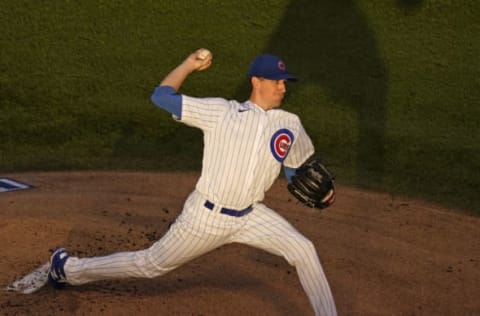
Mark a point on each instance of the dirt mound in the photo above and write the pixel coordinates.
(383, 255)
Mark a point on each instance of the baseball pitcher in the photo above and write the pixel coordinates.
(245, 146)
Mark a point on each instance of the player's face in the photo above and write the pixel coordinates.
(271, 92)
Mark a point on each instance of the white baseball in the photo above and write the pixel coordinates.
(203, 54)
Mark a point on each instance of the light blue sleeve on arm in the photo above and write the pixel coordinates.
(168, 99)
(289, 173)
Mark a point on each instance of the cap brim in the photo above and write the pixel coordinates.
(288, 77)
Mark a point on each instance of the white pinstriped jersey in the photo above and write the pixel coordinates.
(244, 147)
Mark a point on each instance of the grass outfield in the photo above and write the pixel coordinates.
(389, 91)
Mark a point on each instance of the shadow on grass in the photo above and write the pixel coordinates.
(330, 44)
(338, 52)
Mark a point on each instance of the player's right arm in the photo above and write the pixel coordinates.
(178, 75)
(166, 95)
(168, 99)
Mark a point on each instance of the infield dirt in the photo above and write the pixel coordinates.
(383, 254)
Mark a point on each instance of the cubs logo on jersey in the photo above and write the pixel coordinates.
(280, 144)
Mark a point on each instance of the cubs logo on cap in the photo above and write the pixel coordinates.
(270, 67)
(280, 144)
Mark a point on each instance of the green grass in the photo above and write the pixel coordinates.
(389, 90)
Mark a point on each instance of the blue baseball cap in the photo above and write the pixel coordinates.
(269, 67)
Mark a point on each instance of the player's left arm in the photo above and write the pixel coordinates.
(301, 149)
(309, 181)
(289, 173)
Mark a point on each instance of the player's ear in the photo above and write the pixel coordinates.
(255, 81)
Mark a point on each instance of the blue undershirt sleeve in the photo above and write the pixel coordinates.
(289, 173)
(168, 99)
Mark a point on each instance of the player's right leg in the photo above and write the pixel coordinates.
(56, 275)
(189, 237)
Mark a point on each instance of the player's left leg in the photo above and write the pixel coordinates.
(267, 230)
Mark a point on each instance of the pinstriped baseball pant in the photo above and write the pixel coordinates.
(199, 230)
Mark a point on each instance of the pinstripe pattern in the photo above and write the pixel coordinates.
(238, 168)
(269, 231)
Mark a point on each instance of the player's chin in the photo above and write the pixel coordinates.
(278, 103)
(274, 105)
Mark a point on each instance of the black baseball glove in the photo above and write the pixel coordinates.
(313, 185)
